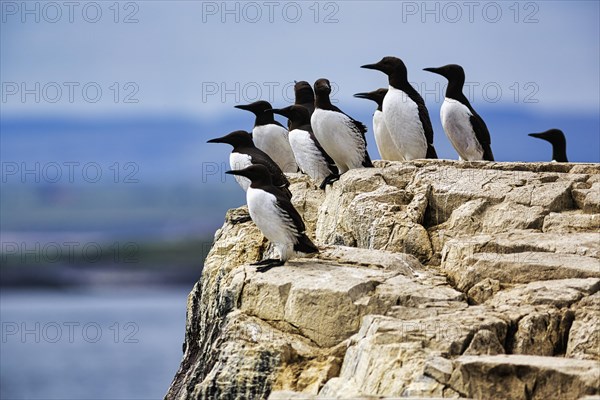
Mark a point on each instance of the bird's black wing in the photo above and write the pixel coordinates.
(330, 163)
(277, 176)
(425, 121)
(423, 114)
(287, 209)
(362, 129)
(482, 134)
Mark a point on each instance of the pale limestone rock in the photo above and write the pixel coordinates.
(517, 377)
(584, 336)
(439, 368)
(521, 257)
(558, 293)
(571, 221)
(483, 290)
(587, 196)
(541, 333)
(484, 342)
(312, 297)
(449, 262)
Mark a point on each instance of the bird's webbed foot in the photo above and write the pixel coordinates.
(265, 265)
(328, 181)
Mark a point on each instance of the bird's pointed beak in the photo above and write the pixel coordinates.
(279, 111)
(537, 135)
(243, 107)
(363, 95)
(372, 66)
(239, 173)
(215, 140)
(431, 69)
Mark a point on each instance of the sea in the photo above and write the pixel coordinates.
(90, 343)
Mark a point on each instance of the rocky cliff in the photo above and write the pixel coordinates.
(435, 279)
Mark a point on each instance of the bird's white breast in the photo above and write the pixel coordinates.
(386, 146)
(309, 158)
(338, 137)
(239, 161)
(272, 222)
(456, 121)
(401, 116)
(273, 140)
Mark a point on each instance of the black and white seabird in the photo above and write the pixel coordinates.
(559, 144)
(341, 136)
(383, 138)
(404, 112)
(309, 154)
(270, 136)
(305, 97)
(275, 216)
(464, 127)
(245, 153)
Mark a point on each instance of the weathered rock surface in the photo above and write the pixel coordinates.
(435, 279)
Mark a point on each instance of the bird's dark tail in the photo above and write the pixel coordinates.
(305, 245)
(431, 152)
(487, 153)
(367, 161)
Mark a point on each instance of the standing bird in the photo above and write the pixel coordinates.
(309, 154)
(275, 216)
(270, 136)
(245, 153)
(559, 144)
(404, 112)
(305, 97)
(341, 136)
(383, 138)
(464, 127)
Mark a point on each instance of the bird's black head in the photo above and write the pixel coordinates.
(554, 136)
(303, 92)
(322, 87)
(257, 173)
(376, 95)
(262, 110)
(388, 65)
(456, 79)
(298, 115)
(559, 144)
(258, 107)
(394, 68)
(236, 139)
(452, 72)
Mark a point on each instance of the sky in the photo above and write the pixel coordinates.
(196, 60)
(200, 58)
